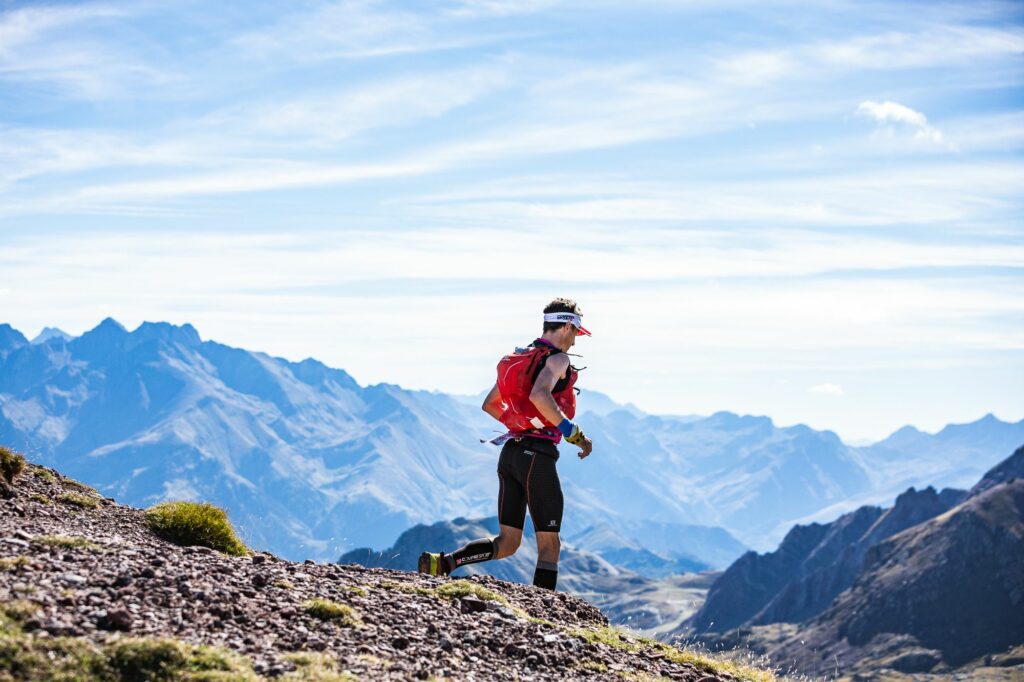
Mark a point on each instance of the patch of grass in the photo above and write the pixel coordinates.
(637, 676)
(19, 610)
(325, 609)
(355, 590)
(9, 563)
(78, 485)
(41, 499)
(44, 474)
(80, 501)
(310, 667)
(72, 659)
(614, 637)
(11, 464)
(170, 659)
(283, 584)
(408, 589)
(457, 589)
(195, 523)
(593, 666)
(66, 542)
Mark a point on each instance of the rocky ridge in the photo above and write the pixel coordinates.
(77, 566)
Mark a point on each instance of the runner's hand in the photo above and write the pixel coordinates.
(585, 448)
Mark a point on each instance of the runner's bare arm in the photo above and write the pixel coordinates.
(540, 396)
(493, 404)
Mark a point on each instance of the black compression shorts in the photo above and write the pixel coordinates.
(527, 478)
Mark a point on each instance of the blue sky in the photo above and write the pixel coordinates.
(808, 211)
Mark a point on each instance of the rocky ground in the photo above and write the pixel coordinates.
(76, 566)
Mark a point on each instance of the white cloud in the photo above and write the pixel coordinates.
(827, 389)
(893, 112)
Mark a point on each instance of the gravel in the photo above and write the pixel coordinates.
(131, 583)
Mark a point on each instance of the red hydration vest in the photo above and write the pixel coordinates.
(516, 375)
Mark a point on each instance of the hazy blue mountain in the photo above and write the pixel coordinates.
(51, 333)
(955, 457)
(656, 549)
(310, 464)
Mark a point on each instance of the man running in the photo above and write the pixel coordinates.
(535, 397)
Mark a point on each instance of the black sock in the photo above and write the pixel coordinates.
(546, 575)
(473, 553)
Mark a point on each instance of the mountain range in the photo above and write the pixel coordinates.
(310, 464)
(931, 585)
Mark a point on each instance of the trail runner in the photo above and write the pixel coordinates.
(535, 398)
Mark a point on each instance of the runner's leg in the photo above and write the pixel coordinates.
(546, 503)
(511, 517)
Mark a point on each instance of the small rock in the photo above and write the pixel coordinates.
(73, 578)
(148, 573)
(472, 605)
(515, 651)
(400, 643)
(22, 535)
(259, 559)
(260, 580)
(446, 644)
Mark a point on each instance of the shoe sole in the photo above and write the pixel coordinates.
(423, 565)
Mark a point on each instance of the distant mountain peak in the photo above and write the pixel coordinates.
(185, 334)
(11, 338)
(731, 420)
(51, 333)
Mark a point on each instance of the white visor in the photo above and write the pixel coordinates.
(571, 318)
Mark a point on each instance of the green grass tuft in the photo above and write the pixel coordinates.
(195, 523)
(78, 485)
(11, 464)
(80, 501)
(355, 590)
(73, 659)
(325, 609)
(66, 542)
(169, 659)
(283, 584)
(44, 474)
(13, 562)
(314, 667)
(41, 499)
(19, 610)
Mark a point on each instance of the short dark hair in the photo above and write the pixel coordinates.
(560, 305)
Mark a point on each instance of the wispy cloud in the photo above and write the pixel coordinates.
(827, 389)
(893, 112)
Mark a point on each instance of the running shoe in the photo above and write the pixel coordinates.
(431, 563)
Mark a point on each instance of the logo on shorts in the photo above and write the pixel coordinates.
(552, 523)
(531, 453)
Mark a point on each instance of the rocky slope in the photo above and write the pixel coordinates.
(79, 572)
